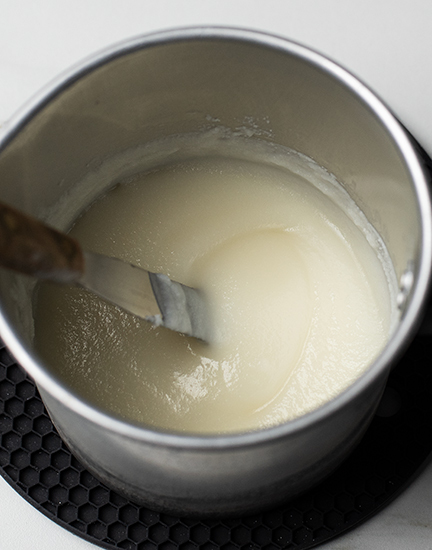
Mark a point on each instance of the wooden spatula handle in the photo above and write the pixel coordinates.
(33, 248)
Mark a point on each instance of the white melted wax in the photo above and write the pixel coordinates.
(299, 287)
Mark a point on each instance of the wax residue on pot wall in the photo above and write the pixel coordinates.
(301, 294)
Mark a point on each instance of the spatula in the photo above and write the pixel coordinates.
(30, 247)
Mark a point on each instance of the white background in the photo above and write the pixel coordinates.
(387, 43)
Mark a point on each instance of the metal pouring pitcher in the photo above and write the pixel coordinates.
(176, 82)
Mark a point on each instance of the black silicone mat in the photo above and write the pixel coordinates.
(396, 447)
(35, 461)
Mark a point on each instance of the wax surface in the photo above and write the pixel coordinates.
(299, 300)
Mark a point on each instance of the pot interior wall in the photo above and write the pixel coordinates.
(178, 87)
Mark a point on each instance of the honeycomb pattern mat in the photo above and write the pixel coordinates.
(396, 447)
(35, 461)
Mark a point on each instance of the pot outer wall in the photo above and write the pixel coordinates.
(220, 481)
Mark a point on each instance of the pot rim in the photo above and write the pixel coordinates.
(402, 334)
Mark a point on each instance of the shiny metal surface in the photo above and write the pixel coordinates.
(151, 296)
(183, 81)
(106, 277)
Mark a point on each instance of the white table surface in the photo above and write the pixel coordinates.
(387, 43)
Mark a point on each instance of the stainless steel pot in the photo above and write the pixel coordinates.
(176, 82)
